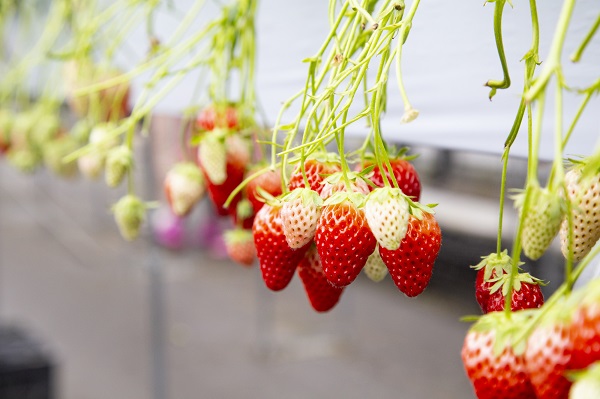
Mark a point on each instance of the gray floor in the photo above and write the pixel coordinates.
(66, 276)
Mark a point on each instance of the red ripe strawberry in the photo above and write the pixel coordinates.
(240, 246)
(548, 354)
(236, 160)
(405, 174)
(343, 238)
(496, 368)
(526, 293)
(585, 328)
(411, 265)
(244, 214)
(316, 172)
(323, 296)
(489, 270)
(217, 116)
(269, 181)
(277, 260)
(482, 289)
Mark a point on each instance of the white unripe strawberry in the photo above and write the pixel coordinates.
(585, 213)
(387, 213)
(375, 269)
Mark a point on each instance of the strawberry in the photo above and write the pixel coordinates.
(130, 213)
(404, 172)
(317, 169)
(343, 238)
(300, 213)
(526, 293)
(375, 269)
(587, 383)
(237, 157)
(277, 260)
(585, 328)
(212, 156)
(585, 202)
(239, 244)
(244, 214)
(54, 153)
(215, 116)
(548, 353)
(323, 296)
(184, 185)
(495, 366)
(489, 270)
(411, 265)
(119, 162)
(91, 165)
(269, 181)
(6, 120)
(106, 104)
(386, 210)
(542, 221)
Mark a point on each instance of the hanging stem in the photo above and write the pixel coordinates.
(505, 82)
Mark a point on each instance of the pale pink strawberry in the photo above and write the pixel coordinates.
(300, 214)
(184, 186)
(240, 246)
(548, 353)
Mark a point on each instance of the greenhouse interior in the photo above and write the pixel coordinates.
(317, 199)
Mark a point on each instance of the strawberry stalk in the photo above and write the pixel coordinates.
(505, 82)
(552, 64)
(576, 56)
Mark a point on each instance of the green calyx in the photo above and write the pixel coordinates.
(357, 199)
(503, 281)
(507, 329)
(500, 262)
(238, 235)
(309, 197)
(266, 197)
(189, 170)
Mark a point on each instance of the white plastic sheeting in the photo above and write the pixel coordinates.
(449, 55)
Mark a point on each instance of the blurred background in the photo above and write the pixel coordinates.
(86, 315)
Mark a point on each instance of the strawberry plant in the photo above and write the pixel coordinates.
(316, 206)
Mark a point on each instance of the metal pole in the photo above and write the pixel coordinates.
(156, 295)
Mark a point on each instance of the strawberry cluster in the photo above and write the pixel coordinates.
(331, 225)
(223, 160)
(538, 353)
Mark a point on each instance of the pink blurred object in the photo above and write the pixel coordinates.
(210, 235)
(168, 229)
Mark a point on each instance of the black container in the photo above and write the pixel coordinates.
(26, 370)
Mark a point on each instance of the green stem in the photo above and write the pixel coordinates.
(554, 58)
(505, 82)
(579, 52)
